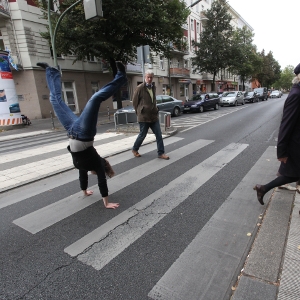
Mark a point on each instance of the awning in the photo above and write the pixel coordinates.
(185, 81)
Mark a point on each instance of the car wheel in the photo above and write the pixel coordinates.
(201, 109)
(235, 103)
(176, 112)
(216, 106)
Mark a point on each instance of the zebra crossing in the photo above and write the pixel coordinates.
(105, 243)
(195, 119)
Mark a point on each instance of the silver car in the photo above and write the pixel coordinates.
(232, 98)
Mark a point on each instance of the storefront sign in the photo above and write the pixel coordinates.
(185, 81)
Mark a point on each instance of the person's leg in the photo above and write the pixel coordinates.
(155, 127)
(263, 189)
(144, 127)
(62, 111)
(86, 125)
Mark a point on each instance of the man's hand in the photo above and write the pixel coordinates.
(283, 159)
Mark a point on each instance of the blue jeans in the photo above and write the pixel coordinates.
(155, 127)
(83, 127)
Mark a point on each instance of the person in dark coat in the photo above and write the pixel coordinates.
(82, 129)
(288, 145)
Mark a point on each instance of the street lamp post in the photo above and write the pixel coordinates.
(97, 13)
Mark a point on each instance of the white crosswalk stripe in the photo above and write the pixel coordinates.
(196, 119)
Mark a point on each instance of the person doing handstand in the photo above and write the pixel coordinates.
(82, 129)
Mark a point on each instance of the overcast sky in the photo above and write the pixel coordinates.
(276, 27)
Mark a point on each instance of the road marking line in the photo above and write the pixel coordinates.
(51, 214)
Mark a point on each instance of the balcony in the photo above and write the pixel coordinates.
(180, 72)
(207, 76)
(203, 18)
(4, 11)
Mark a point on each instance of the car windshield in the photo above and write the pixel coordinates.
(228, 94)
(249, 94)
(197, 97)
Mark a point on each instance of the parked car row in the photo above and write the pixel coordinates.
(212, 100)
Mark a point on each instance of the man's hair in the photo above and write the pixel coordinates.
(149, 72)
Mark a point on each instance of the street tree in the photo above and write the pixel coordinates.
(270, 70)
(286, 77)
(214, 53)
(245, 60)
(125, 25)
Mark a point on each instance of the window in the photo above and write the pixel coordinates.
(95, 87)
(186, 64)
(161, 62)
(69, 95)
(198, 28)
(192, 24)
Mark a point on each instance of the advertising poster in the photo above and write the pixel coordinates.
(10, 112)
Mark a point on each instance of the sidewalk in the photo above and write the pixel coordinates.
(272, 268)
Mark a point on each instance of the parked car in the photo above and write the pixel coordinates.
(163, 103)
(169, 104)
(201, 102)
(232, 98)
(262, 93)
(275, 94)
(251, 97)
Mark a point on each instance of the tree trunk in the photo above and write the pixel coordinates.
(117, 95)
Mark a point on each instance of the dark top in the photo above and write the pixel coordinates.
(289, 134)
(90, 160)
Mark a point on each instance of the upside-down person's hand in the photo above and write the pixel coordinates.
(112, 205)
(109, 205)
(88, 193)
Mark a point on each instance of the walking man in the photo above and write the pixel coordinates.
(144, 103)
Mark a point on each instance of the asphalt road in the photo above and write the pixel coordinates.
(180, 231)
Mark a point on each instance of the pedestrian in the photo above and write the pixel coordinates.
(288, 144)
(144, 103)
(82, 129)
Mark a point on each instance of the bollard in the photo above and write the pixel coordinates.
(108, 113)
(52, 119)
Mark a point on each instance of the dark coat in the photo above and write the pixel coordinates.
(145, 109)
(289, 135)
(90, 160)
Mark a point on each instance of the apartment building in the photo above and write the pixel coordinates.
(20, 27)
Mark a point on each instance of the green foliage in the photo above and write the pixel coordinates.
(126, 25)
(245, 60)
(269, 71)
(286, 77)
(213, 52)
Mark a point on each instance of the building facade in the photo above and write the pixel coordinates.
(20, 27)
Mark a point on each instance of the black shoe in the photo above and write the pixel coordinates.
(260, 193)
(42, 65)
(120, 67)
